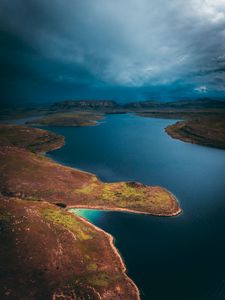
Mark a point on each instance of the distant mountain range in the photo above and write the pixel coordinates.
(204, 103)
(153, 108)
(84, 104)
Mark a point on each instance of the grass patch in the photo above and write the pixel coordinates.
(81, 231)
(100, 280)
(88, 188)
(128, 191)
(108, 193)
(123, 194)
(92, 267)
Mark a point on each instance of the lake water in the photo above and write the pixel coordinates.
(177, 258)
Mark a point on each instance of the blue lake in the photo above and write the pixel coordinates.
(179, 258)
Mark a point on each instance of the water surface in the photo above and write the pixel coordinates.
(179, 258)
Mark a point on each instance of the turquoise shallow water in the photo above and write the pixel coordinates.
(179, 258)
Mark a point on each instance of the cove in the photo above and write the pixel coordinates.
(167, 257)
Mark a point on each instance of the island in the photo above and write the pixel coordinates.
(46, 251)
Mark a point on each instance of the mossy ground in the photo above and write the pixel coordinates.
(68, 221)
(130, 195)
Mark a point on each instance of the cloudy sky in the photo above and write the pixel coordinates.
(116, 49)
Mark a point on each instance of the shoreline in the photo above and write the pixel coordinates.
(110, 237)
(173, 130)
(124, 210)
(59, 144)
(198, 133)
(106, 208)
(111, 240)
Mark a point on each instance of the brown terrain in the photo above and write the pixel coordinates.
(203, 118)
(78, 118)
(204, 131)
(47, 252)
(27, 175)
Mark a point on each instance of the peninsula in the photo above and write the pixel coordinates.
(203, 131)
(46, 246)
(202, 119)
(78, 118)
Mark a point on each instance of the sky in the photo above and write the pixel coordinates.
(126, 50)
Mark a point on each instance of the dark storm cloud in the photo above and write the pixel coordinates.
(138, 45)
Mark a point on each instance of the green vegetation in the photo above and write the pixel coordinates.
(89, 187)
(108, 194)
(136, 196)
(92, 267)
(100, 279)
(128, 191)
(130, 195)
(123, 194)
(69, 222)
